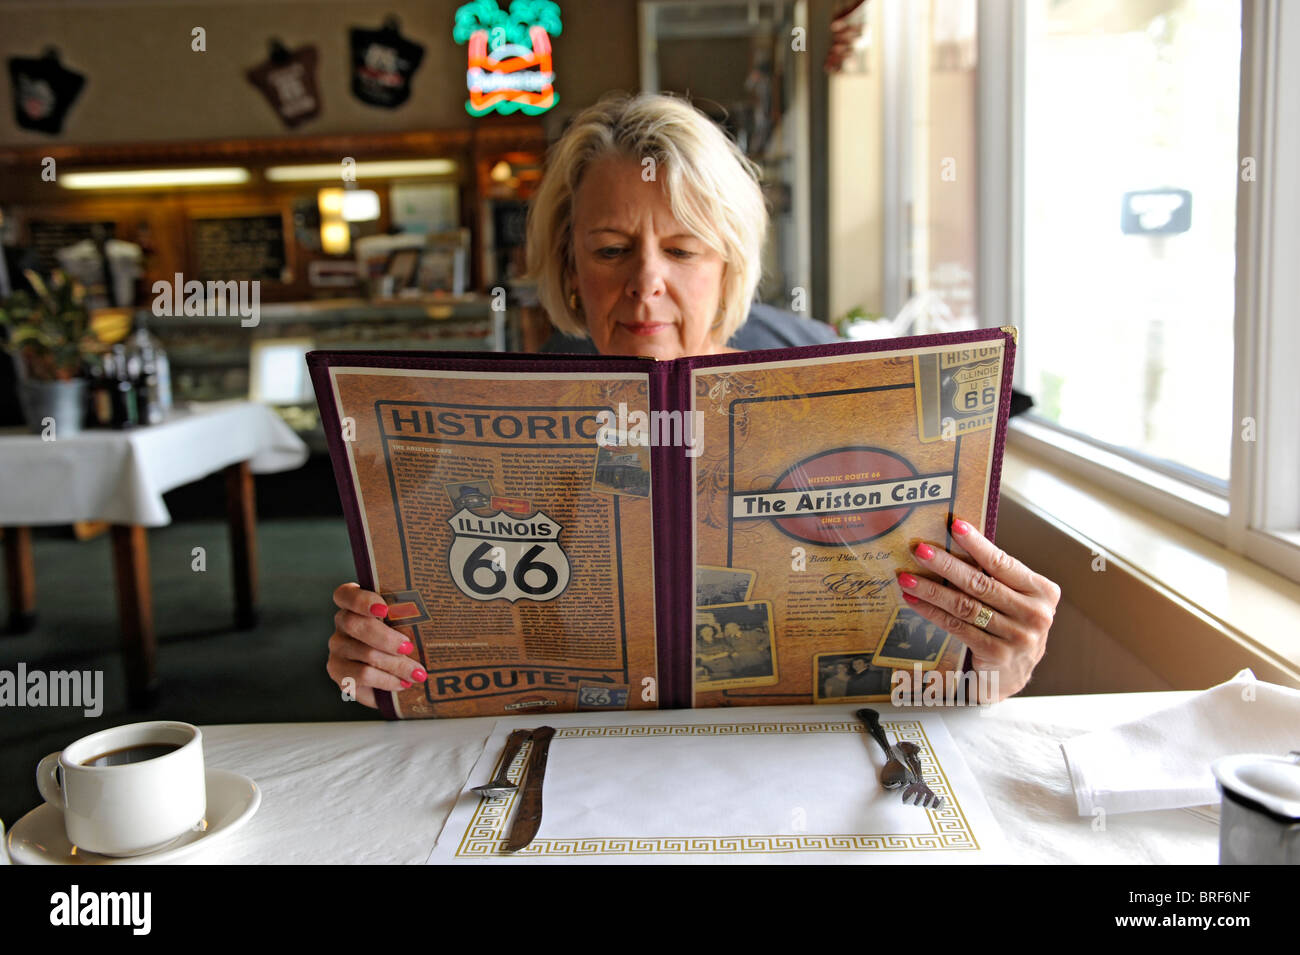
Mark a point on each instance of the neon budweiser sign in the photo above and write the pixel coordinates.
(510, 68)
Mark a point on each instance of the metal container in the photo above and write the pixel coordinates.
(1259, 822)
(64, 401)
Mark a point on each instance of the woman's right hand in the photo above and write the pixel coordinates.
(365, 650)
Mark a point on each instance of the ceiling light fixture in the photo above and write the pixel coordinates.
(383, 169)
(152, 178)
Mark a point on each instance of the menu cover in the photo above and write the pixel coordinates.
(584, 533)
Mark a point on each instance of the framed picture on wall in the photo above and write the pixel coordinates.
(444, 263)
(401, 268)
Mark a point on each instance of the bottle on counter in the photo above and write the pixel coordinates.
(144, 375)
(126, 407)
(164, 377)
(156, 380)
(100, 391)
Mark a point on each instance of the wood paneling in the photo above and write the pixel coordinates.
(161, 220)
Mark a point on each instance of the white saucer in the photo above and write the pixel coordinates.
(39, 838)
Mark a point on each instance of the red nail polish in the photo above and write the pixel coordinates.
(910, 599)
(960, 527)
(379, 610)
(406, 685)
(907, 580)
(418, 675)
(924, 551)
(406, 647)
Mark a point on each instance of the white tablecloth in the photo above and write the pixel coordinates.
(380, 792)
(121, 476)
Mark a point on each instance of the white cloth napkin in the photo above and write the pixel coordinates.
(1163, 761)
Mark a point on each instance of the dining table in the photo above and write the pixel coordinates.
(119, 477)
(369, 792)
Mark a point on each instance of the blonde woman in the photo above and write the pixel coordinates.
(645, 238)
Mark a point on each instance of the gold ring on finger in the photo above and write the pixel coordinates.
(983, 617)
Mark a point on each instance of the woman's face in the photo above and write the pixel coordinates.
(647, 286)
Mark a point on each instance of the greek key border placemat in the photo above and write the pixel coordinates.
(951, 827)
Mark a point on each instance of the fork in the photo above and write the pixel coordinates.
(902, 766)
(501, 784)
(897, 771)
(919, 792)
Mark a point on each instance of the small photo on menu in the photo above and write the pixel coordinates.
(735, 646)
(910, 640)
(722, 585)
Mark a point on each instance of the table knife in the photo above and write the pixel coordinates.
(528, 817)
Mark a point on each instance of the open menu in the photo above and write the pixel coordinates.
(584, 533)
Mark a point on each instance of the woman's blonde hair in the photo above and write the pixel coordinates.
(712, 187)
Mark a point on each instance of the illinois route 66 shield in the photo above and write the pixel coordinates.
(502, 556)
(975, 389)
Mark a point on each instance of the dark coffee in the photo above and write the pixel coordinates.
(131, 754)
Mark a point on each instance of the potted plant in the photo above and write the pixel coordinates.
(47, 333)
(860, 323)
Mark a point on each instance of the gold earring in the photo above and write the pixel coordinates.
(573, 301)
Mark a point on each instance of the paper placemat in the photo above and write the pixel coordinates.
(770, 784)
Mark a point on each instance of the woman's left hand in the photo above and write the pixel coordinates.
(1023, 604)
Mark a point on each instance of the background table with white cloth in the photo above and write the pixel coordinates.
(120, 477)
(381, 792)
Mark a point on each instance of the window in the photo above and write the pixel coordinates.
(1092, 118)
(1121, 186)
(903, 168)
(1130, 190)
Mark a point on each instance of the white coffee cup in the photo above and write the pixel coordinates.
(128, 808)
